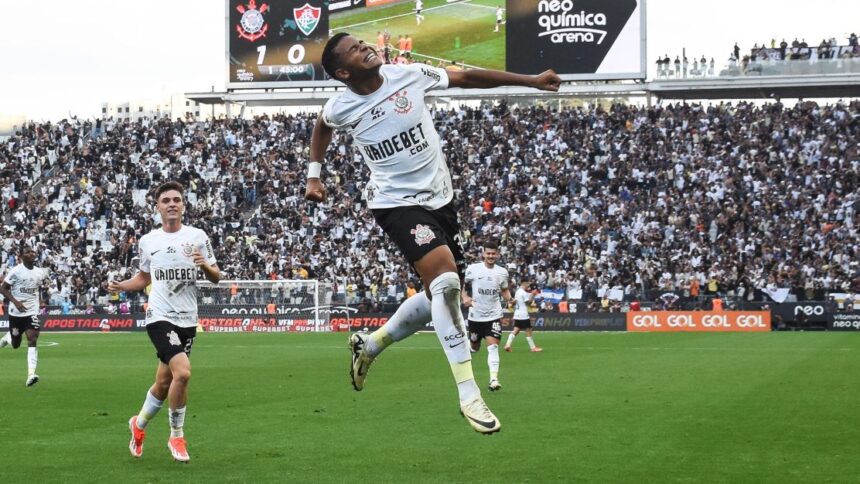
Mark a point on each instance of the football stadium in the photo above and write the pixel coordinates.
(431, 241)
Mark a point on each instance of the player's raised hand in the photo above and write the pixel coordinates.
(547, 81)
(315, 190)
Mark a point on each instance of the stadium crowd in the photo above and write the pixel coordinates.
(736, 200)
(762, 55)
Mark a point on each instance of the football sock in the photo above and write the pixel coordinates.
(511, 337)
(531, 341)
(177, 420)
(32, 360)
(448, 321)
(493, 361)
(6, 340)
(411, 316)
(151, 406)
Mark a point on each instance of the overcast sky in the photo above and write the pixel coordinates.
(61, 56)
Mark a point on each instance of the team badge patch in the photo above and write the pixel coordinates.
(187, 249)
(252, 26)
(402, 104)
(307, 18)
(423, 234)
(173, 338)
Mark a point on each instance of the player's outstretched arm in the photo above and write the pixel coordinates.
(136, 283)
(320, 139)
(484, 79)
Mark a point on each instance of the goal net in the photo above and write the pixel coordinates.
(265, 306)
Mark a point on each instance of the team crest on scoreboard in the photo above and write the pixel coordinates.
(423, 234)
(252, 26)
(402, 104)
(307, 18)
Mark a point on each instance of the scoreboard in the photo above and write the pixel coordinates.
(279, 43)
(275, 43)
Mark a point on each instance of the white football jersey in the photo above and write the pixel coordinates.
(168, 259)
(25, 285)
(395, 135)
(487, 286)
(521, 311)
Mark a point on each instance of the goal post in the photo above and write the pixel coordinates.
(265, 305)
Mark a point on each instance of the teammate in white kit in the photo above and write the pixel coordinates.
(410, 194)
(486, 284)
(170, 258)
(500, 17)
(21, 289)
(419, 5)
(522, 320)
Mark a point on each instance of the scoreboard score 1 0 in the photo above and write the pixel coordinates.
(270, 43)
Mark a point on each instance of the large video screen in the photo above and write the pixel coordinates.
(275, 43)
(580, 39)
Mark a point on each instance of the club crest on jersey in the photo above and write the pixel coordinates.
(173, 339)
(187, 249)
(252, 25)
(402, 104)
(423, 234)
(307, 18)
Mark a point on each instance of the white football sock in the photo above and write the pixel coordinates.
(411, 316)
(493, 361)
(531, 341)
(177, 421)
(448, 321)
(32, 360)
(150, 408)
(511, 337)
(6, 340)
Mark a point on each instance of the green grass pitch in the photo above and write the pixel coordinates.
(472, 22)
(778, 407)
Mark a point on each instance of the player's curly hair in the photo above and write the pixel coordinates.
(329, 60)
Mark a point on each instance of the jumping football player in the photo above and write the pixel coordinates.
(410, 194)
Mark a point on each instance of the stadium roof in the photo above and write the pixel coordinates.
(751, 87)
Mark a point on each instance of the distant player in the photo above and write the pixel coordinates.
(170, 258)
(522, 321)
(21, 290)
(500, 17)
(485, 283)
(419, 5)
(409, 193)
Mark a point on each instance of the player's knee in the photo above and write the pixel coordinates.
(182, 375)
(446, 284)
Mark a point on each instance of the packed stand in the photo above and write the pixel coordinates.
(628, 203)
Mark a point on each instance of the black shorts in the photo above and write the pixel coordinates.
(19, 324)
(418, 12)
(523, 323)
(479, 330)
(170, 340)
(417, 231)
